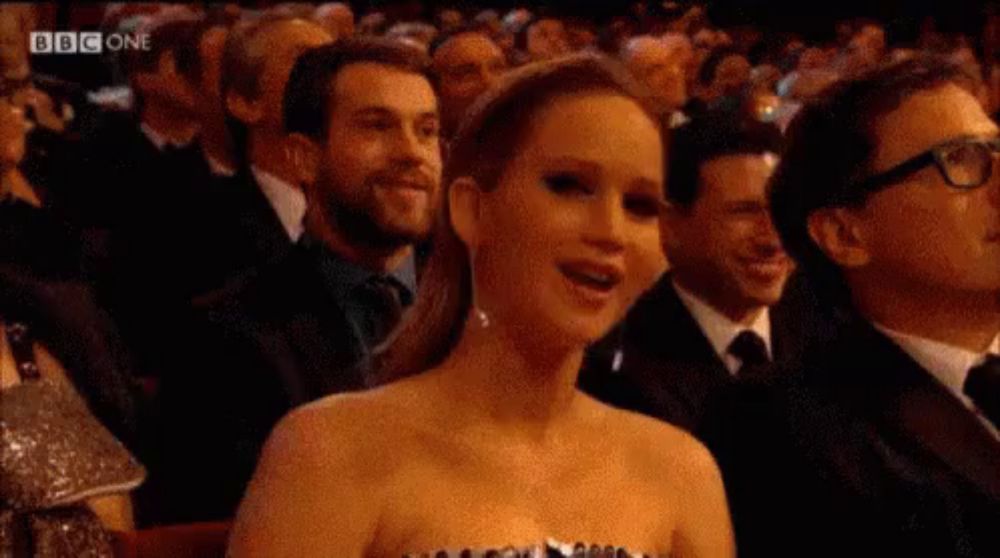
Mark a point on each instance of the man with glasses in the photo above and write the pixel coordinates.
(889, 198)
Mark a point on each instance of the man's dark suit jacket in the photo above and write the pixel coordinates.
(668, 368)
(276, 339)
(863, 455)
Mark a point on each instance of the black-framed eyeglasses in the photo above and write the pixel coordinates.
(965, 163)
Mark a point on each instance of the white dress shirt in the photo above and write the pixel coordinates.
(288, 201)
(948, 364)
(159, 140)
(721, 331)
(218, 168)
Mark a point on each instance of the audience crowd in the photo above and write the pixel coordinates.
(298, 280)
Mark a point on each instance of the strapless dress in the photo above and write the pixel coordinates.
(551, 549)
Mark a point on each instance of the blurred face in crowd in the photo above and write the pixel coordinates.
(450, 20)
(166, 86)
(864, 51)
(13, 45)
(723, 246)
(283, 44)
(569, 238)
(337, 18)
(661, 68)
(546, 38)
(580, 36)
(466, 65)
(813, 58)
(12, 132)
(732, 73)
(380, 170)
(920, 235)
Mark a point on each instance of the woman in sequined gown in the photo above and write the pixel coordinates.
(479, 444)
(64, 479)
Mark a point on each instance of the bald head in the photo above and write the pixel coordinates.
(466, 65)
(661, 67)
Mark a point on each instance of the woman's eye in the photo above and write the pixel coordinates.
(567, 184)
(644, 207)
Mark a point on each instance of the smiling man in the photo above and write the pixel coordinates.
(363, 124)
(708, 322)
(887, 444)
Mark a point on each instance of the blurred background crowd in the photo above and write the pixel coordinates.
(166, 278)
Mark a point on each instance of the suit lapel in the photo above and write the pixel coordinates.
(668, 359)
(908, 401)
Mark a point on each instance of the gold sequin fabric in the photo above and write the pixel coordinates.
(69, 532)
(53, 452)
(551, 549)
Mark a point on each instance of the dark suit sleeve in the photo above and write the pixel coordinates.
(219, 403)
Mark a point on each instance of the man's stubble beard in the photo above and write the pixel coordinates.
(358, 221)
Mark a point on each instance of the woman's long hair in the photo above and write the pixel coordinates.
(484, 144)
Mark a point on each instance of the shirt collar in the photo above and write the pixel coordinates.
(720, 330)
(159, 140)
(948, 364)
(289, 202)
(342, 276)
(218, 168)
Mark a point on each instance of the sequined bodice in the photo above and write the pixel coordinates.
(551, 549)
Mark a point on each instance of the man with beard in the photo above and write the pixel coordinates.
(363, 122)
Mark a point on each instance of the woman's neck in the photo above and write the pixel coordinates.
(514, 380)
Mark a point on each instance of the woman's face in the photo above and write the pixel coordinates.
(570, 236)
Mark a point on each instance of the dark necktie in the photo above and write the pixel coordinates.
(383, 299)
(752, 352)
(982, 385)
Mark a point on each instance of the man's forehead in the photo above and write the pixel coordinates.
(464, 47)
(369, 85)
(290, 36)
(928, 118)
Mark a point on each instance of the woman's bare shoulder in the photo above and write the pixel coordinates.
(349, 422)
(659, 444)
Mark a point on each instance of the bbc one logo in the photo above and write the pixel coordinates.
(85, 42)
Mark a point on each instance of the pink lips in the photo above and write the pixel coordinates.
(593, 282)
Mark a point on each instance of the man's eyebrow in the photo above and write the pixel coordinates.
(373, 111)
(384, 112)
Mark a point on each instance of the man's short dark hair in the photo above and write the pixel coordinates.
(717, 133)
(188, 54)
(167, 37)
(830, 145)
(309, 93)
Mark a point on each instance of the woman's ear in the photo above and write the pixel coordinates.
(839, 234)
(304, 156)
(464, 207)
